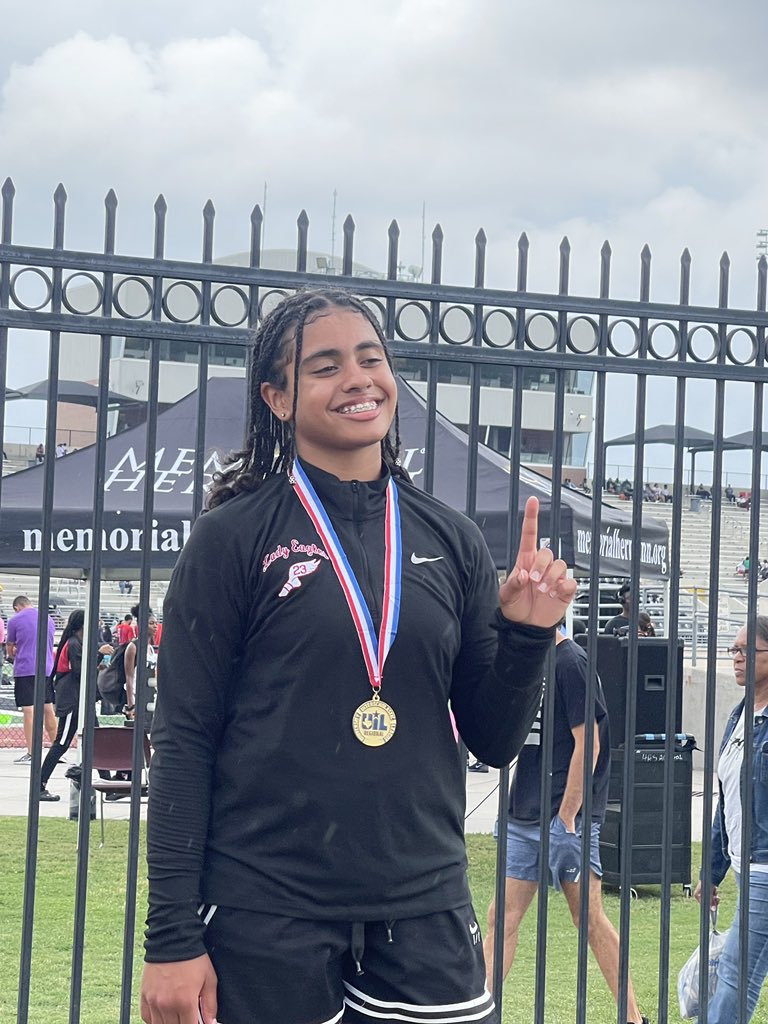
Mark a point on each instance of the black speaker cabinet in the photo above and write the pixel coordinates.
(651, 682)
(646, 808)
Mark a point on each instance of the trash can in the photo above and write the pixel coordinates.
(695, 503)
(647, 808)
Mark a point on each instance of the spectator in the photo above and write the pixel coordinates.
(2, 647)
(21, 645)
(620, 623)
(126, 630)
(39, 453)
(105, 633)
(61, 450)
(730, 496)
(702, 492)
(645, 625)
(67, 668)
(130, 662)
(564, 812)
(746, 735)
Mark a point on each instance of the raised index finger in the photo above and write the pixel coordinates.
(530, 533)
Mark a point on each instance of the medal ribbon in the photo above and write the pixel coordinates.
(375, 650)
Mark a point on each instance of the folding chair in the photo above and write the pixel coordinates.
(113, 751)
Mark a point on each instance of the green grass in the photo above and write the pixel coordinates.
(54, 921)
(562, 940)
(104, 930)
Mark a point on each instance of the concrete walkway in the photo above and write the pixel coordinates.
(482, 795)
(14, 790)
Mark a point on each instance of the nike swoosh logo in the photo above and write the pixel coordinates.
(418, 559)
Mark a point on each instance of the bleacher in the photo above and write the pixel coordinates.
(66, 595)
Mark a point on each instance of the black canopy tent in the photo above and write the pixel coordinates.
(72, 535)
(71, 392)
(451, 458)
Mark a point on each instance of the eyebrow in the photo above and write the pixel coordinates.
(335, 353)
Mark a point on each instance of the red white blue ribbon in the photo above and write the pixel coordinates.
(375, 649)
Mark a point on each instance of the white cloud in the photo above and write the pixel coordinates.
(597, 120)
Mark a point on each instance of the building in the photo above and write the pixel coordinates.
(129, 371)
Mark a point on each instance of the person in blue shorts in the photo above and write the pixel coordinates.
(524, 830)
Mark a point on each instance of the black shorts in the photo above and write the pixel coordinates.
(24, 691)
(283, 970)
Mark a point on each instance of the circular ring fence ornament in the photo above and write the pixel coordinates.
(544, 327)
(36, 272)
(703, 356)
(195, 292)
(271, 300)
(120, 306)
(92, 279)
(582, 335)
(377, 308)
(738, 338)
(221, 320)
(621, 328)
(492, 335)
(661, 346)
(399, 321)
(456, 313)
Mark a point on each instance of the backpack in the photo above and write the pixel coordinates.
(61, 665)
(111, 682)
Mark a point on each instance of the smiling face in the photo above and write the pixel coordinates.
(347, 395)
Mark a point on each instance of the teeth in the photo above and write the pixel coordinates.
(360, 407)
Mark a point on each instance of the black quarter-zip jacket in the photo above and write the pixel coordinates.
(261, 796)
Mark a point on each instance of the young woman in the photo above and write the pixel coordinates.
(306, 851)
(746, 732)
(67, 667)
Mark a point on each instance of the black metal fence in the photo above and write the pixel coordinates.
(479, 333)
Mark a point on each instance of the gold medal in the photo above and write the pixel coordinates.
(374, 722)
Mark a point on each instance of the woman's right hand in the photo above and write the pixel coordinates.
(172, 993)
(714, 901)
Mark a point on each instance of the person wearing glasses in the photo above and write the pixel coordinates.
(727, 833)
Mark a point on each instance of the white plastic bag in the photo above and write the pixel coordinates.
(688, 979)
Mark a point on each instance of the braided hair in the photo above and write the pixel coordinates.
(75, 622)
(271, 449)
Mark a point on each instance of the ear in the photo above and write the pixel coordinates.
(277, 400)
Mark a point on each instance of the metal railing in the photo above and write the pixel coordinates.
(472, 326)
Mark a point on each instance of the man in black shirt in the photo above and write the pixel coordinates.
(525, 812)
(619, 624)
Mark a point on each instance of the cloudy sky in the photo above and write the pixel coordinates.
(632, 122)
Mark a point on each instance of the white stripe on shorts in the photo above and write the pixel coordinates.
(331, 1020)
(206, 911)
(450, 1012)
